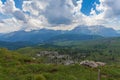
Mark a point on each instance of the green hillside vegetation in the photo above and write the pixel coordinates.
(15, 66)
(15, 45)
(106, 50)
(73, 37)
(27, 64)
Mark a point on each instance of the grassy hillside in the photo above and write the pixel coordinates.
(105, 50)
(15, 66)
(27, 63)
(106, 41)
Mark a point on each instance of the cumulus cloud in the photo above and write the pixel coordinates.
(8, 7)
(59, 12)
(35, 8)
(0, 6)
(57, 15)
(113, 8)
(55, 11)
(12, 18)
(19, 15)
(52, 13)
(110, 12)
(10, 25)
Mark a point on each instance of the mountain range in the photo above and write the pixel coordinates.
(46, 35)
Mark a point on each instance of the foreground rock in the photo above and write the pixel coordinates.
(92, 64)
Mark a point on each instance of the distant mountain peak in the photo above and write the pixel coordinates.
(96, 30)
(45, 34)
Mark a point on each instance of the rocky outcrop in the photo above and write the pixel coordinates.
(55, 57)
(47, 53)
(100, 63)
(92, 64)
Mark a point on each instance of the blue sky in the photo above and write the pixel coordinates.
(18, 3)
(87, 5)
(3, 1)
(57, 14)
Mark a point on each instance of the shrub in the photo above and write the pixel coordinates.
(39, 77)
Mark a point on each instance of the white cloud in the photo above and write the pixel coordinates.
(1, 6)
(13, 17)
(109, 15)
(113, 8)
(8, 7)
(54, 13)
(57, 14)
(19, 15)
(110, 11)
(10, 25)
(35, 23)
(35, 8)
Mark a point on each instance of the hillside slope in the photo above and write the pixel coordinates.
(15, 66)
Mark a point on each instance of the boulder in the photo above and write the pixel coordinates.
(92, 64)
(100, 63)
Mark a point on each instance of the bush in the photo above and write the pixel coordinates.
(39, 77)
